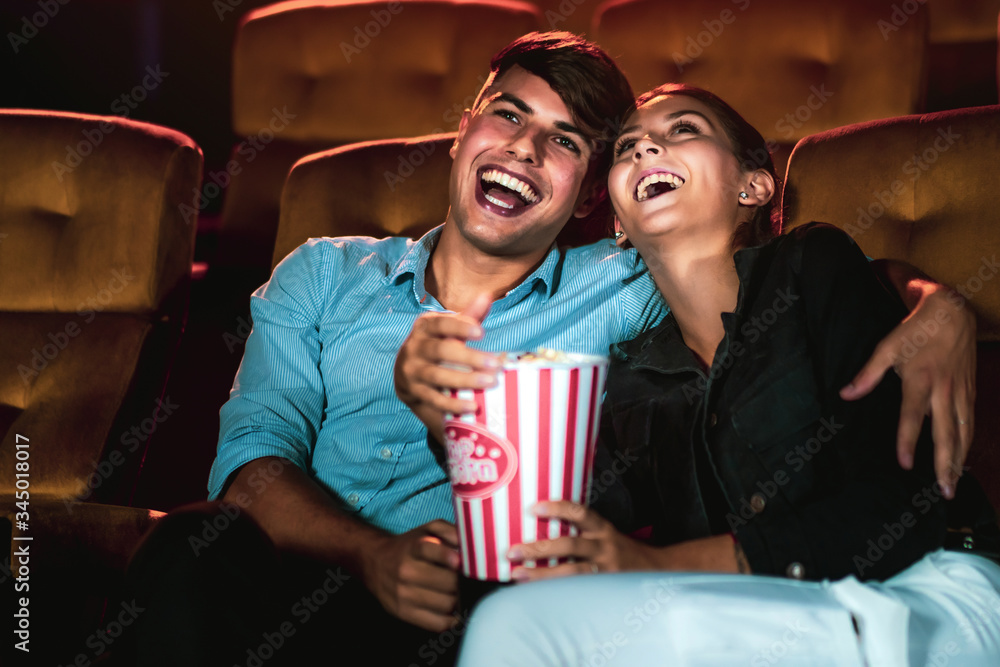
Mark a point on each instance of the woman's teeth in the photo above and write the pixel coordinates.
(642, 190)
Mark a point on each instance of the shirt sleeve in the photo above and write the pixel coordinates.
(868, 517)
(276, 405)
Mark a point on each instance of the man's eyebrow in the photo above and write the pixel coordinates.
(510, 98)
(523, 107)
(672, 116)
(572, 129)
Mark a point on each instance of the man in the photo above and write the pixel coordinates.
(315, 447)
(332, 469)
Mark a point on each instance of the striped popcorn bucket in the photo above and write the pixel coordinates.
(532, 439)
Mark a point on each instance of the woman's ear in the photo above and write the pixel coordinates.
(620, 238)
(759, 189)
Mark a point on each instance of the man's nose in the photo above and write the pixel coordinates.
(523, 147)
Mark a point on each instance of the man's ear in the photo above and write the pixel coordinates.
(462, 125)
(592, 193)
(759, 189)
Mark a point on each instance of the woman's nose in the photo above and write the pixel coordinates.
(646, 146)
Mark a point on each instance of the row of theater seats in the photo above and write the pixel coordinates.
(95, 260)
(340, 71)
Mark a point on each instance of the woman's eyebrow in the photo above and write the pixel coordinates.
(672, 116)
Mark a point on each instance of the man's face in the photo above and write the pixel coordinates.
(519, 164)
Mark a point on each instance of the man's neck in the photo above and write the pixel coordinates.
(458, 272)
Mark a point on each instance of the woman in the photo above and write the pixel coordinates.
(746, 460)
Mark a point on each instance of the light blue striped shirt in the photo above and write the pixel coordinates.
(315, 384)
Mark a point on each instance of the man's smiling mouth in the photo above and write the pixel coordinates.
(656, 183)
(505, 190)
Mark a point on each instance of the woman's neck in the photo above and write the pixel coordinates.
(700, 283)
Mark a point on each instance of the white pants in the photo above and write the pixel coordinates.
(942, 610)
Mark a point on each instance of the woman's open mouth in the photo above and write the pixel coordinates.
(656, 183)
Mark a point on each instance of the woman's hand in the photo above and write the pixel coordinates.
(601, 548)
(598, 548)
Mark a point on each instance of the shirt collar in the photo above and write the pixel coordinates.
(414, 262)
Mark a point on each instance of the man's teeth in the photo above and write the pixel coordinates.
(511, 183)
(494, 200)
(660, 177)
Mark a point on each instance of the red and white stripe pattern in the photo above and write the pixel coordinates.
(549, 413)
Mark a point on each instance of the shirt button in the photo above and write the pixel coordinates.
(353, 499)
(795, 571)
(758, 502)
(386, 453)
(713, 419)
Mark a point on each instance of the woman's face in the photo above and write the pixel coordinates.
(675, 172)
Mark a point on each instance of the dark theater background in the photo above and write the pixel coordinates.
(127, 260)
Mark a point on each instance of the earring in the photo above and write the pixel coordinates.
(619, 234)
(744, 196)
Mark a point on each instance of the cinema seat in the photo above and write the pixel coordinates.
(792, 69)
(572, 15)
(393, 187)
(920, 188)
(95, 261)
(332, 73)
(962, 53)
